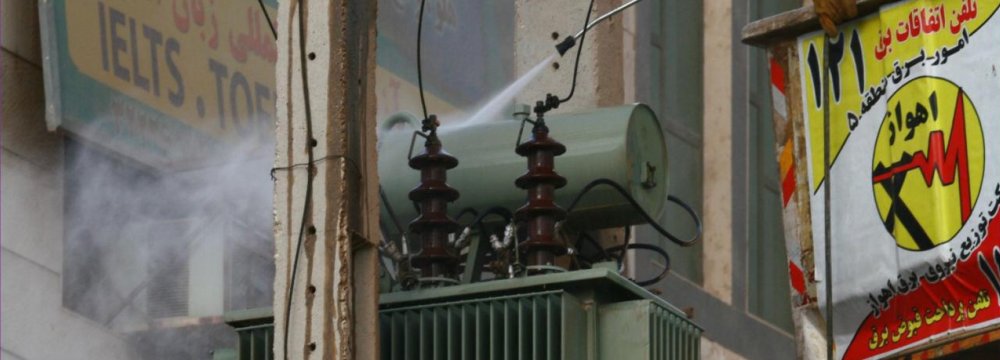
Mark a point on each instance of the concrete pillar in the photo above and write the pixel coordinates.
(717, 89)
(543, 24)
(333, 307)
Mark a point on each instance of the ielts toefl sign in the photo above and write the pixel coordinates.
(160, 81)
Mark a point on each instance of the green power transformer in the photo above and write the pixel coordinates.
(586, 314)
(583, 314)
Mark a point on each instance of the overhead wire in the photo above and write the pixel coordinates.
(268, 17)
(420, 76)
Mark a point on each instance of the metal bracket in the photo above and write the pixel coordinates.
(413, 140)
(521, 131)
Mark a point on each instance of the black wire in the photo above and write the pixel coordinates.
(268, 17)
(590, 239)
(350, 161)
(579, 49)
(650, 247)
(468, 210)
(645, 216)
(420, 78)
(496, 210)
(309, 180)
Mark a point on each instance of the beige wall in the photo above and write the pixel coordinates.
(35, 325)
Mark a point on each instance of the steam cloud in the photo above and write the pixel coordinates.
(157, 256)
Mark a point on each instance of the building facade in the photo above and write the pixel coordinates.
(683, 58)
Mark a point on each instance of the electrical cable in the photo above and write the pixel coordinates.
(346, 159)
(576, 65)
(593, 242)
(479, 224)
(309, 179)
(650, 247)
(420, 76)
(428, 123)
(496, 210)
(268, 17)
(468, 210)
(645, 215)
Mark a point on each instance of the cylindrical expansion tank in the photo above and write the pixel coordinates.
(622, 143)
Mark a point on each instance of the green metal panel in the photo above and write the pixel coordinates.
(527, 326)
(642, 329)
(615, 143)
(587, 314)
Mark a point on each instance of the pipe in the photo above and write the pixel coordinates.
(570, 41)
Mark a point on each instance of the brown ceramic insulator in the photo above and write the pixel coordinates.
(436, 258)
(541, 213)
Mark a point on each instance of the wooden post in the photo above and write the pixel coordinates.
(333, 309)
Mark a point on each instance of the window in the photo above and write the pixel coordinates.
(671, 84)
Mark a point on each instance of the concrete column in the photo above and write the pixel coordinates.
(333, 307)
(543, 24)
(717, 215)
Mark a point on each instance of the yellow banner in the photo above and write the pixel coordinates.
(874, 53)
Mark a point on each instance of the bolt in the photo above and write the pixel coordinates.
(649, 180)
(555, 35)
(312, 56)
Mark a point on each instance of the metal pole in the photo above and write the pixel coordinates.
(828, 257)
(605, 16)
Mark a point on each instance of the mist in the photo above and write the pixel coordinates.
(158, 255)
